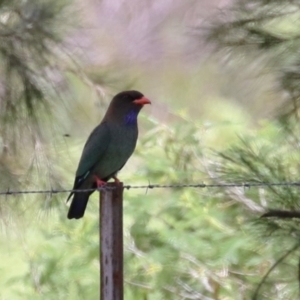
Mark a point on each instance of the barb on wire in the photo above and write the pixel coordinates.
(158, 186)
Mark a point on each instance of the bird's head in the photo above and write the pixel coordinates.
(125, 107)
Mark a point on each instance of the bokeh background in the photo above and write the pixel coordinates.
(223, 80)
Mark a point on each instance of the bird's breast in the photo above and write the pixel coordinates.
(121, 146)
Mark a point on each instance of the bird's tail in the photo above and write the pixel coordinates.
(78, 205)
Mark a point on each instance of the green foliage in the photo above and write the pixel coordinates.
(266, 32)
(33, 62)
(29, 42)
(179, 243)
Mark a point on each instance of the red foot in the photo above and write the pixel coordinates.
(99, 182)
(117, 181)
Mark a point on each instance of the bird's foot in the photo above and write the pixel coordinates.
(117, 181)
(99, 182)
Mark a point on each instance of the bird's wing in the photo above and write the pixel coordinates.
(94, 148)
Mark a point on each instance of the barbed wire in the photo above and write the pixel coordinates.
(157, 186)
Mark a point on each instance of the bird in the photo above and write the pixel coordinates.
(107, 149)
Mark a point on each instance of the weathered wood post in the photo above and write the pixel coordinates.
(111, 242)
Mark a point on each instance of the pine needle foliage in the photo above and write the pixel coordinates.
(268, 32)
(32, 85)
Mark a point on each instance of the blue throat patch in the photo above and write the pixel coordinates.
(131, 117)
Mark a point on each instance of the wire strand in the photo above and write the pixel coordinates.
(159, 186)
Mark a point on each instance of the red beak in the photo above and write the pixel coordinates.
(142, 101)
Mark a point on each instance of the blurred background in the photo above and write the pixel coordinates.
(223, 80)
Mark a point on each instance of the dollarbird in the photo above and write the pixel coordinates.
(108, 148)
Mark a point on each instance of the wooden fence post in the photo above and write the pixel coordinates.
(111, 242)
